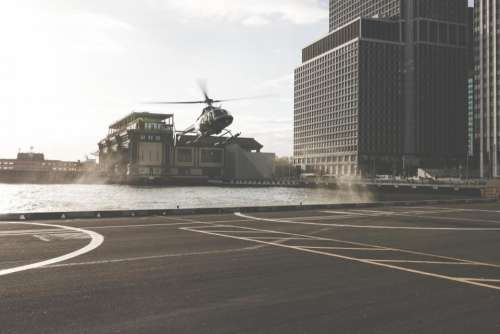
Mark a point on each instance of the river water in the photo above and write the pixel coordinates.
(46, 198)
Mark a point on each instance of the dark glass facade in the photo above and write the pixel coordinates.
(385, 93)
(345, 11)
(486, 84)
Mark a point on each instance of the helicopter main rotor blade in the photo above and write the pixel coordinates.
(179, 102)
(258, 97)
(203, 86)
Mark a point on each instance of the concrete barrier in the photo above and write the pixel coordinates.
(224, 210)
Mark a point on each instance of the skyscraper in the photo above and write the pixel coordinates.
(342, 12)
(386, 90)
(487, 74)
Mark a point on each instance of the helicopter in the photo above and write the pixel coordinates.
(213, 120)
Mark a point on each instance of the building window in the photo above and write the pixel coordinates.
(184, 155)
(211, 156)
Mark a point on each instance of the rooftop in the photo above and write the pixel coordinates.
(136, 115)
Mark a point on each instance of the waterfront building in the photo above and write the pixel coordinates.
(33, 168)
(144, 147)
(385, 91)
(487, 76)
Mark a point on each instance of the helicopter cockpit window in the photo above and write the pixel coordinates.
(219, 112)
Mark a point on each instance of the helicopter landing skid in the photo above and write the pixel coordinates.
(228, 140)
(191, 142)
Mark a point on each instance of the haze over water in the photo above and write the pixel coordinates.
(45, 198)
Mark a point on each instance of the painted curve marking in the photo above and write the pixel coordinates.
(95, 242)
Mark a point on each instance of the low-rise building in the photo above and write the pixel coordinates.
(33, 168)
(144, 147)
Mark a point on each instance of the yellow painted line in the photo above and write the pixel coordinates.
(313, 251)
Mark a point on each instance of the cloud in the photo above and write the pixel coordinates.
(255, 21)
(250, 12)
(285, 81)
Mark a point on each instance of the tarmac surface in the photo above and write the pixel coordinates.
(432, 269)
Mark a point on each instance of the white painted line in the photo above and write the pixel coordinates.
(411, 212)
(373, 227)
(353, 248)
(369, 245)
(329, 217)
(454, 219)
(243, 232)
(195, 219)
(41, 237)
(419, 272)
(350, 213)
(38, 231)
(19, 232)
(374, 211)
(351, 216)
(486, 280)
(427, 211)
(458, 209)
(144, 225)
(424, 262)
(472, 220)
(279, 241)
(61, 236)
(96, 241)
(277, 237)
(154, 257)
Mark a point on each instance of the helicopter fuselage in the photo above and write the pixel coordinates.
(213, 121)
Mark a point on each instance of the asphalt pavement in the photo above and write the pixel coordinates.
(430, 269)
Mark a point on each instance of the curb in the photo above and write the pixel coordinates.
(229, 210)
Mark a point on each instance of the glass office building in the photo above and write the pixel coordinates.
(385, 91)
(487, 75)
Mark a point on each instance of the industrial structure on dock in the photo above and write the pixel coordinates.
(144, 147)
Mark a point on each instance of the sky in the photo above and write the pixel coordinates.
(70, 68)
